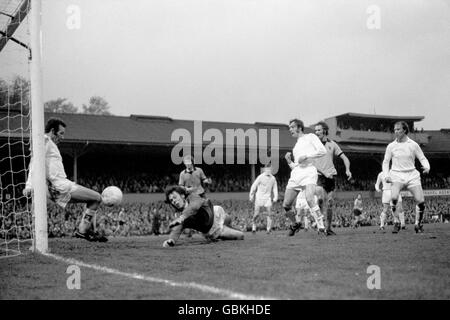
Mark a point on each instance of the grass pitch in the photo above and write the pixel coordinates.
(306, 266)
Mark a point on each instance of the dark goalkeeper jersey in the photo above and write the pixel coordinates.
(199, 214)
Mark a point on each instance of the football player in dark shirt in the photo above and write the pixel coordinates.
(199, 214)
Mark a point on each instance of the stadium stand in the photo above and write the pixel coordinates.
(140, 147)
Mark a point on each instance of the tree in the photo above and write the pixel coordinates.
(16, 94)
(97, 105)
(3, 93)
(60, 105)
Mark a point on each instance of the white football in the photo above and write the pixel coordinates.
(112, 196)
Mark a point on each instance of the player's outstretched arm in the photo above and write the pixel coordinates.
(28, 186)
(347, 166)
(275, 190)
(377, 183)
(175, 233)
(288, 157)
(253, 189)
(203, 178)
(423, 160)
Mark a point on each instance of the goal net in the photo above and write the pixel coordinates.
(16, 210)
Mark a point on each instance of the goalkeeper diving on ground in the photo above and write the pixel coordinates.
(199, 214)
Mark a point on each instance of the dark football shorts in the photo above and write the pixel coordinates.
(328, 184)
(357, 212)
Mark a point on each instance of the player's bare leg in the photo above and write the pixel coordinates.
(329, 213)
(255, 217)
(227, 221)
(310, 191)
(231, 234)
(383, 215)
(298, 215)
(269, 220)
(306, 220)
(401, 215)
(417, 193)
(395, 192)
(321, 199)
(289, 198)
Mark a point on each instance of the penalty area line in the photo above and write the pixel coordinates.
(190, 285)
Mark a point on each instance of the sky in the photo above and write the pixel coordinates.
(247, 60)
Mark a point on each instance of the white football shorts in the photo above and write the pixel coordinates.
(217, 227)
(301, 177)
(267, 203)
(406, 178)
(60, 191)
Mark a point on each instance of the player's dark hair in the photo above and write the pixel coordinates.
(324, 126)
(404, 126)
(53, 124)
(178, 189)
(299, 123)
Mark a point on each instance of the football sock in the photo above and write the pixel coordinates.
(291, 215)
(318, 217)
(329, 217)
(401, 216)
(394, 211)
(86, 221)
(269, 223)
(382, 218)
(420, 208)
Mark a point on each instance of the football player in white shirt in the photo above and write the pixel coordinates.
(60, 189)
(303, 174)
(403, 151)
(266, 189)
(386, 200)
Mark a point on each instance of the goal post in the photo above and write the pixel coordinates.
(22, 145)
(37, 131)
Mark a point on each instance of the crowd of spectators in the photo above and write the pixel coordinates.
(138, 219)
(374, 125)
(129, 183)
(149, 183)
(156, 183)
(144, 219)
(227, 182)
(435, 182)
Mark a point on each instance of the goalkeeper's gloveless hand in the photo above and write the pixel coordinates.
(27, 191)
(169, 243)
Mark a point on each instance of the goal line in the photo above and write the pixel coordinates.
(188, 285)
